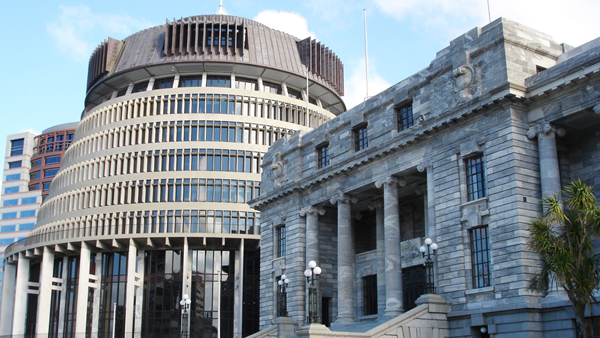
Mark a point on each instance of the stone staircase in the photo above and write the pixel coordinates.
(427, 320)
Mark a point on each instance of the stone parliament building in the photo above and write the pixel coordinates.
(461, 152)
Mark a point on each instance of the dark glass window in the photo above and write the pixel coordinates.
(140, 87)
(163, 83)
(218, 81)
(36, 175)
(369, 295)
(361, 139)
(281, 244)
(122, 92)
(46, 186)
(53, 159)
(16, 164)
(480, 257)
(36, 163)
(69, 136)
(272, 88)
(323, 155)
(475, 178)
(294, 93)
(50, 172)
(405, 117)
(190, 81)
(16, 147)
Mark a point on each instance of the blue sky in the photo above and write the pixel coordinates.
(46, 44)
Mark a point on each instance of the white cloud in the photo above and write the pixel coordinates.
(75, 25)
(288, 22)
(573, 22)
(356, 87)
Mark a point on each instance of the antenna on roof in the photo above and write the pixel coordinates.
(366, 56)
(221, 10)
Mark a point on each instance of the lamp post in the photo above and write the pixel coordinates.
(185, 306)
(312, 275)
(283, 283)
(431, 248)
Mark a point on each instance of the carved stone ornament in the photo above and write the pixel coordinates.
(465, 83)
(277, 171)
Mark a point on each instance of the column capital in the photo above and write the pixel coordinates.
(342, 198)
(312, 210)
(390, 180)
(377, 204)
(426, 164)
(545, 129)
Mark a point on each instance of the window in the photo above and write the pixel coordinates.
(475, 178)
(122, 92)
(8, 228)
(294, 93)
(9, 215)
(140, 87)
(7, 241)
(361, 139)
(13, 177)
(405, 116)
(69, 136)
(11, 190)
(281, 241)
(10, 203)
(36, 175)
(36, 163)
(27, 213)
(190, 81)
(26, 226)
(218, 81)
(13, 165)
(28, 200)
(16, 147)
(50, 172)
(244, 83)
(272, 88)
(480, 257)
(46, 186)
(163, 83)
(323, 156)
(53, 159)
(34, 187)
(369, 295)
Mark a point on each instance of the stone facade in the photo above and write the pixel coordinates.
(461, 152)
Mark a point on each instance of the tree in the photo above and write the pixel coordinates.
(563, 237)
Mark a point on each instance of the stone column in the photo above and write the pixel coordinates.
(346, 261)
(82, 289)
(8, 299)
(44, 297)
(18, 328)
(130, 289)
(548, 157)
(393, 264)
(312, 232)
(238, 299)
(139, 294)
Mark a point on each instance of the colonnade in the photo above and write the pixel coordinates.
(19, 286)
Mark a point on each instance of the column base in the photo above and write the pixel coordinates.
(392, 313)
(312, 330)
(340, 323)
